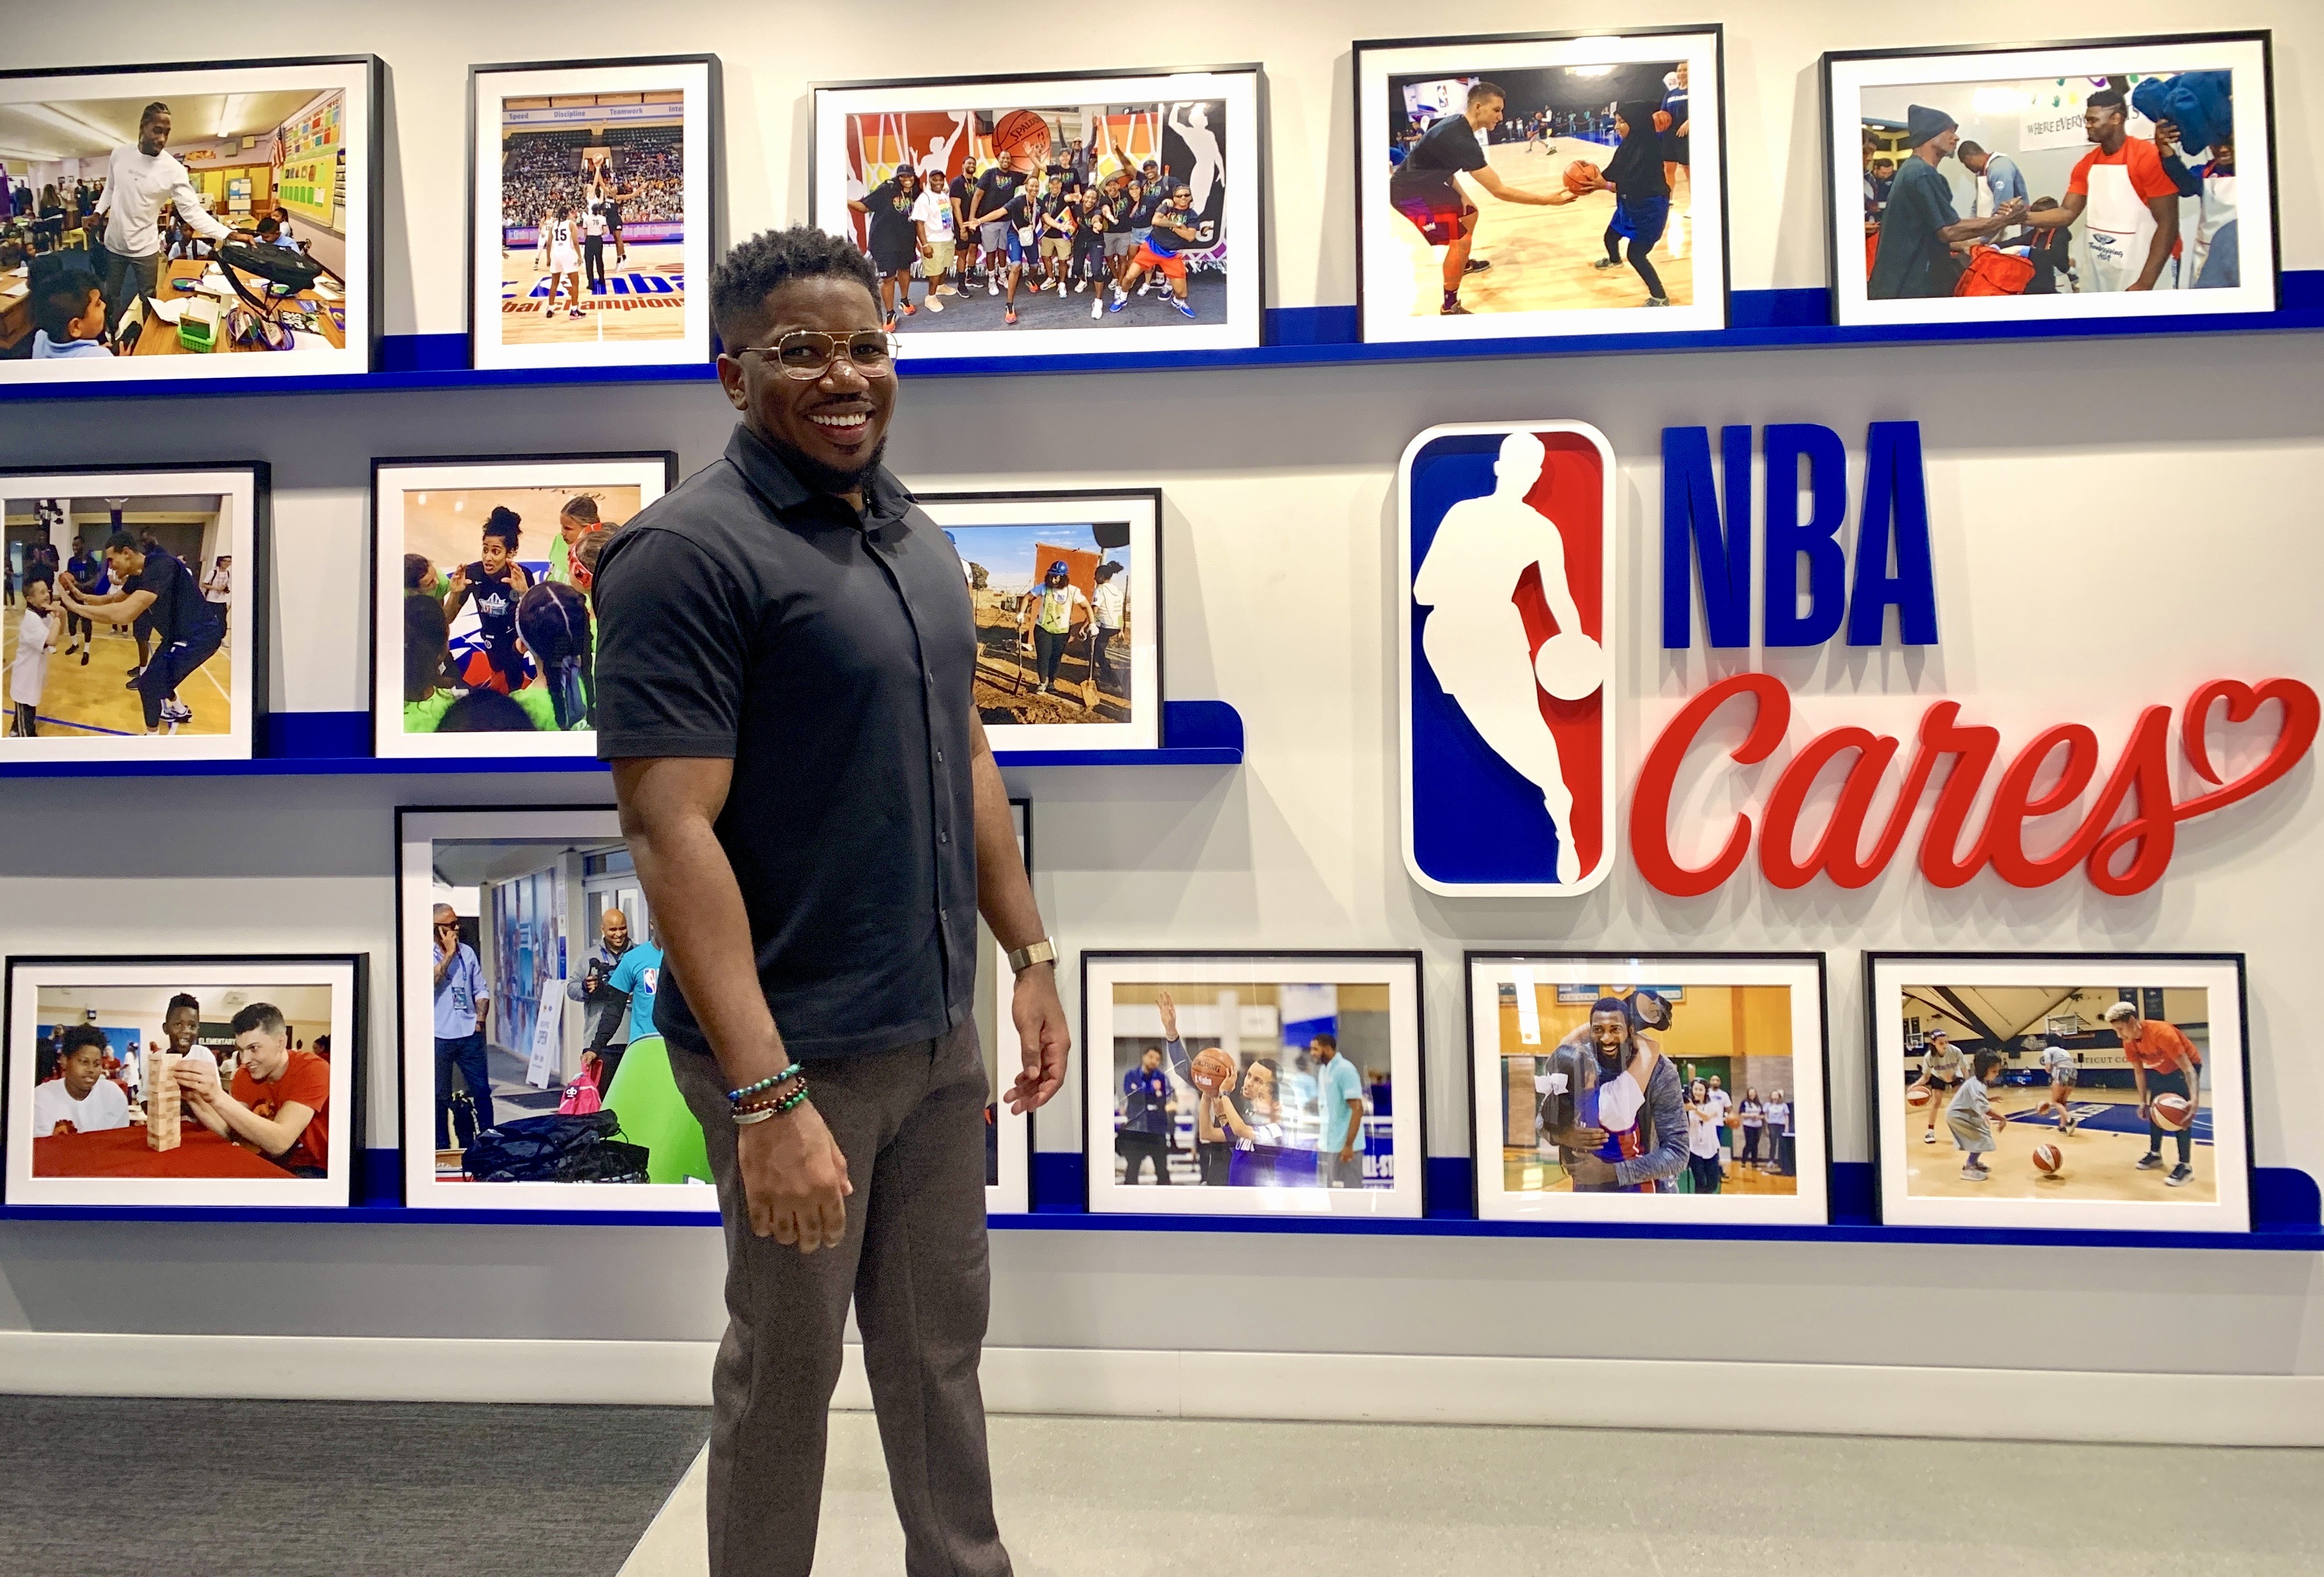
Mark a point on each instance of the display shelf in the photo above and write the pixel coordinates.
(1195, 733)
(1294, 337)
(2284, 1208)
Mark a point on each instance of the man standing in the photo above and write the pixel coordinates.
(1339, 1096)
(2132, 202)
(602, 1008)
(1999, 180)
(462, 1009)
(1613, 1106)
(1919, 226)
(786, 655)
(140, 181)
(1424, 190)
(152, 587)
(631, 988)
(280, 1102)
(2164, 1062)
(1146, 1108)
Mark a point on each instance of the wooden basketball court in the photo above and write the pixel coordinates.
(92, 699)
(2101, 1163)
(644, 300)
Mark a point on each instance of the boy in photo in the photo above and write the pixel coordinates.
(28, 675)
(2058, 1063)
(80, 1099)
(68, 315)
(1971, 1116)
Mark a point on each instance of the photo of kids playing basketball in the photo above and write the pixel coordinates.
(2008, 1090)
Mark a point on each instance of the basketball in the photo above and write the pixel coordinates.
(2048, 1160)
(1018, 130)
(2172, 1111)
(1919, 1095)
(1662, 120)
(1212, 1070)
(1580, 176)
(1569, 666)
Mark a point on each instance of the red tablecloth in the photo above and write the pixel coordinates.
(122, 1152)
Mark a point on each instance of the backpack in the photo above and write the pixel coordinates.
(1994, 272)
(555, 1150)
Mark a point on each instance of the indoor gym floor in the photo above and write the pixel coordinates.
(2101, 1155)
(645, 299)
(1525, 1171)
(1541, 256)
(94, 693)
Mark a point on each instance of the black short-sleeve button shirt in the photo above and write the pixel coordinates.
(829, 655)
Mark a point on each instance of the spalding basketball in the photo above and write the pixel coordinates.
(2172, 1111)
(2048, 1160)
(1919, 1095)
(1019, 128)
(1662, 120)
(1569, 666)
(1580, 176)
(1212, 1070)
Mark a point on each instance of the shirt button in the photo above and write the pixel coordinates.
(939, 758)
(944, 837)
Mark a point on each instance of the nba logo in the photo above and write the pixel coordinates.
(1505, 627)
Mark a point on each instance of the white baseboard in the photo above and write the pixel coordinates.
(1805, 1399)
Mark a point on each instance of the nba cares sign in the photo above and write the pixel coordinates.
(1505, 632)
(1842, 804)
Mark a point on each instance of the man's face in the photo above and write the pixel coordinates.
(2100, 120)
(448, 929)
(2129, 1029)
(154, 134)
(182, 1026)
(1485, 117)
(836, 420)
(1151, 1062)
(125, 562)
(1714, 1084)
(1257, 1084)
(264, 1056)
(1322, 1051)
(495, 554)
(615, 931)
(1975, 162)
(1945, 141)
(82, 1069)
(1608, 1030)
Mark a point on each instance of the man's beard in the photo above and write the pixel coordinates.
(818, 477)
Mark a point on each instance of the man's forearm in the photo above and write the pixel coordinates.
(1668, 1157)
(2166, 237)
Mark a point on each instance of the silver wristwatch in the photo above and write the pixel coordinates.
(1021, 959)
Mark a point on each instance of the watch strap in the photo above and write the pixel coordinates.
(1021, 959)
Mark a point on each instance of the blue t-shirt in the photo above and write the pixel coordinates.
(1337, 1082)
(637, 974)
(456, 994)
(1142, 1097)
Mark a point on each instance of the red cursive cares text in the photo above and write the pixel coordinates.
(2124, 854)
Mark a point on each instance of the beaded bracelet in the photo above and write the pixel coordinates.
(772, 1100)
(759, 1112)
(736, 1097)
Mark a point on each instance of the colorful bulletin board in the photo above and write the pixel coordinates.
(311, 148)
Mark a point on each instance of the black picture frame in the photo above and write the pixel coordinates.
(357, 1065)
(376, 91)
(714, 113)
(1830, 112)
(1484, 329)
(1874, 961)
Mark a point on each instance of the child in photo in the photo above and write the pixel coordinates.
(2058, 1063)
(69, 318)
(1971, 1116)
(36, 637)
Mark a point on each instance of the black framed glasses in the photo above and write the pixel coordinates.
(806, 353)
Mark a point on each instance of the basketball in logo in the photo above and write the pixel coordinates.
(1018, 131)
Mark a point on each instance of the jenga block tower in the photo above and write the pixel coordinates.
(162, 1112)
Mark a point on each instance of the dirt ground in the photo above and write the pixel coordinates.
(1006, 675)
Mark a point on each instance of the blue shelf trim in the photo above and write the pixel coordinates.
(1292, 337)
(1195, 733)
(2285, 1215)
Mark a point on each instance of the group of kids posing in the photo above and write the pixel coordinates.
(531, 668)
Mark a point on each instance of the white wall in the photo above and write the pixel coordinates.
(2180, 471)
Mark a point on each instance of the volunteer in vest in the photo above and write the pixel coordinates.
(281, 1100)
(1425, 189)
(141, 181)
(2164, 1062)
(784, 680)
(2128, 204)
(1919, 226)
(1999, 182)
(153, 586)
(1047, 619)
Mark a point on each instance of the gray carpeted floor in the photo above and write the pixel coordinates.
(106, 1487)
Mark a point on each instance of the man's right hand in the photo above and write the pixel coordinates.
(795, 1180)
(1168, 1008)
(1578, 1137)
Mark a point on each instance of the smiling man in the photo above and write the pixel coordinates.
(786, 650)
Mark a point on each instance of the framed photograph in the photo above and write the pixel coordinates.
(214, 220)
(136, 629)
(483, 640)
(168, 1083)
(1689, 1087)
(1050, 216)
(1067, 590)
(2047, 1089)
(1008, 1140)
(593, 190)
(530, 1072)
(1520, 185)
(2060, 182)
(1252, 1083)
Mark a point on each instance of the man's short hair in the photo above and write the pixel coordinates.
(146, 116)
(1324, 1037)
(2107, 99)
(1481, 90)
(123, 542)
(63, 299)
(260, 1016)
(182, 1000)
(81, 1035)
(1971, 151)
(757, 268)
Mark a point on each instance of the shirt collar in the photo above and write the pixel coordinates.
(886, 500)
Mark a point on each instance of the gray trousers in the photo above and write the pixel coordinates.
(911, 1124)
(125, 279)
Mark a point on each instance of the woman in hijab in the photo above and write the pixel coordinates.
(1641, 195)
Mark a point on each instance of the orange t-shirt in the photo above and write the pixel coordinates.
(2159, 1047)
(2140, 163)
(306, 1081)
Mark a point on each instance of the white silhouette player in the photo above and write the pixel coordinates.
(1475, 642)
(940, 148)
(1195, 131)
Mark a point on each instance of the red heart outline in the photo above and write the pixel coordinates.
(2292, 739)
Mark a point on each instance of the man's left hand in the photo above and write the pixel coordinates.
(197, 1080)
(1347, 1154)
(1586, 1167)
(1041, 1032)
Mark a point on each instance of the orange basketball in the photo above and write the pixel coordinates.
(2048, 1160)
(1212, 1070)
(1919, 1095)
(1018, 130)
(1662, 120)
(2172, 1111)
(1580, 176)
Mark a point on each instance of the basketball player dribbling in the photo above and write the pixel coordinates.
(495, 581)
